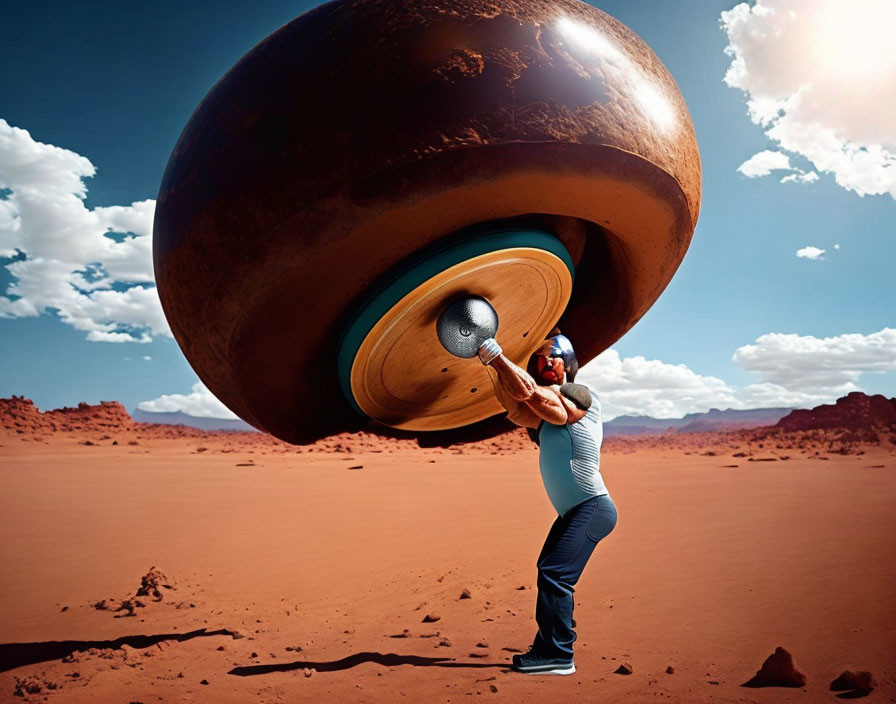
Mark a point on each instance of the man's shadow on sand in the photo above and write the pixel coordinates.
(13, 655)
(387, 659)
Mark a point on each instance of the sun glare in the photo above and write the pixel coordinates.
(855, 40)
(593, 47)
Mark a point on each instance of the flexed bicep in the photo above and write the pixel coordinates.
(547, 404)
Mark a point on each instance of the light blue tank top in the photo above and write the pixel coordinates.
(569, 458)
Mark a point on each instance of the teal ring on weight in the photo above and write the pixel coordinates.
(406, 281)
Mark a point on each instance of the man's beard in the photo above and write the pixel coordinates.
(541, 380)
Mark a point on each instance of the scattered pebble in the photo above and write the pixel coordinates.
(623, 669)
(32, 684)
(151, 582)
(431, 618)
(860, 682)
(778, 670)
(465, 594)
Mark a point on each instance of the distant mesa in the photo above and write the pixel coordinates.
(713, 420)
(20, 415)
(855, 411)
(181, 418)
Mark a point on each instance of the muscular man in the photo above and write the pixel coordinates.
(564, 419)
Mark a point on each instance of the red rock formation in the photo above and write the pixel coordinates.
(20, 415)
(856, 411)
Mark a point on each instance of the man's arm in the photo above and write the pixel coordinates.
(517, 411)
(545, 402)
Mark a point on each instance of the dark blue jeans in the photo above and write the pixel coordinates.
(569, 544)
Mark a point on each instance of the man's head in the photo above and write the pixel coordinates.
(554, 362)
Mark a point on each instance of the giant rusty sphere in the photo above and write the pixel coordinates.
(372, 161)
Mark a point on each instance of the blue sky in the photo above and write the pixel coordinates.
(744, 323)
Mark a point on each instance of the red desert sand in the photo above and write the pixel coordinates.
(150, 563)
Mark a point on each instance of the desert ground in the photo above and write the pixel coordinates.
(336, 576)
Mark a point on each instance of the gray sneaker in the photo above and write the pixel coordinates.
(534, 663)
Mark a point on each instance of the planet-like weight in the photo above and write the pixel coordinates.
(372, 161)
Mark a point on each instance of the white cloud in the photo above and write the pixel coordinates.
(763, 163)
(768, 395)
(818, 77)
(810, 252)
(639, 386)
(199, 402)
(63, 258)
(801, 177)
(799, 371)
(809, 364)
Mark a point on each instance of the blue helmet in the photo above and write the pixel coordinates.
(559, 346)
